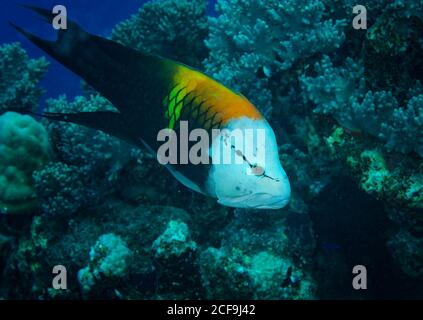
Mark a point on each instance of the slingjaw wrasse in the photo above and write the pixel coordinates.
(151, 93)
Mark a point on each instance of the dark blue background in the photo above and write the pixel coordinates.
(98, 17)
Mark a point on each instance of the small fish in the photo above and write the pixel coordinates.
(151, 93)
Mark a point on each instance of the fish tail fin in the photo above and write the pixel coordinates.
(67, 39)
(107, 66)
(44, 13)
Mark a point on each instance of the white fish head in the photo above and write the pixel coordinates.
(253, 176)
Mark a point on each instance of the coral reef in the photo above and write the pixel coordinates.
(175, 256)
(108, 258)
(174, 241)
(349, 130)
(339, 111)
(252, 42)
(87, 161)
(62, 188)
(19, 77)
(340, 92)
(259, 258)
(155, 256)
(98, 239)
(24, 147)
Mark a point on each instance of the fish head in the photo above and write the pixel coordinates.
(253, 177)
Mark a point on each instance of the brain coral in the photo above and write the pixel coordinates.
(24, 147)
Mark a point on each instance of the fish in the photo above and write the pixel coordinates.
(151, 93)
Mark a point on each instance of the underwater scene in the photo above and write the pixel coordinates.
(221, 149)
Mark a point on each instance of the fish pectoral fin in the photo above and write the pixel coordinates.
(184, 180)
(110, 122)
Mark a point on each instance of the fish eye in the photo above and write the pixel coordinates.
(257, 170)
(260, 172)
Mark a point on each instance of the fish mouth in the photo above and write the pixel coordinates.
(256, 201)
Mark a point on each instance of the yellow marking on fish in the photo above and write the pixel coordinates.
(222, 100)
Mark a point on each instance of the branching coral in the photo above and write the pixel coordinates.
(171, 28)
(332, 89)
(404, 132)
(19, 77)
(340, 92)
(24, 147)
(266, 37)
(378, 96)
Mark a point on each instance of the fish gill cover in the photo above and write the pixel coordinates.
(346, 106)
